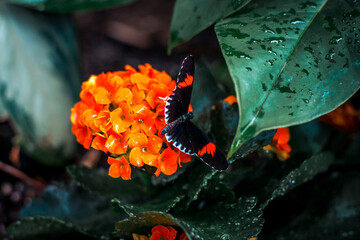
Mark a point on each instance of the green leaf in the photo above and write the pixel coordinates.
(39, 79)
(97, 180)
(208, 90)
(332, 211)
(191, 17)
(69, 6)
(261, 140)
(44, 228)
(290, 63)
(194, 180)
(308, 169)
(215, 192)
(238, 220)
(163, 201)
(90, 213)
(224, 120)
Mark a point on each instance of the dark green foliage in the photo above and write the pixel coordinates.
(290, 62)
(305, 172)
(38, 70)
(332, 210)
(191, 17)
(237, 219)
(44, 228)
(89, 213)
(69, 6)
(98, 181)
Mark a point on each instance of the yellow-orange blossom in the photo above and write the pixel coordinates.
(122, 113)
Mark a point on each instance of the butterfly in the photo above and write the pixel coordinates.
(180, 130)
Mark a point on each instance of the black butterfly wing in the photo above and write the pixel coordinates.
(178, 103)
(191, 140)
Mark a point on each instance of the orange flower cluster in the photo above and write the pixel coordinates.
(122, 113)
(160, 233)
(344, 118)
(280, 144)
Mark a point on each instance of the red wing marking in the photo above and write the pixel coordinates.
(187, 82)
(209, 148)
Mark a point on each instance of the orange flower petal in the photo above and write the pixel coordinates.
(141, 109)
(123, 95)
(286, 147)
(98, 143)
(231, 99)
(184, 158)
(125, 169)
(280, 144)
(164, 78)
(121, 119)
(138, 95)
(283, 135)
(130, 69)
(114, 170)
(136, 157)
(282, 155)
(102, 121)
(160, 110)
(161, 90)
(83, 135)
(137, 140)
(148, 127)
(139, 237)
(115, 145)
(140, 80)
(150, 98)
(160, 124)
(168, 161)
(88, 118)
(102, 96)
(150, 159)
(190, 108)
(116, 114)
(77, 112)
(183, 236)
(155, 143)
(119, 168)
(163, 233)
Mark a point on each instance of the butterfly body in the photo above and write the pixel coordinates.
(180, 130)
(177, 122)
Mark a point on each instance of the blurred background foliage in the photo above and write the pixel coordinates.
(288, 62)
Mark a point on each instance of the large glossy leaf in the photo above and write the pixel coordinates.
(290, 63)
(68, 6)
(44, 228)
(191, 17)
(238, 220)
(39, 79)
